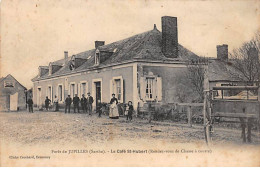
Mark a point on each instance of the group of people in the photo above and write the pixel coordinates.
(86, 103)
(86, 106)
(113, 109)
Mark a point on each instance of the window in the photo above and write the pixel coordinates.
(149, 88)
(72, 90)
(118, 88)
(83, 89)
(9, 84)
(60, 93)
(49, 92)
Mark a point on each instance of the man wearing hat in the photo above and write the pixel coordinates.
(68, 102)
(89, 103)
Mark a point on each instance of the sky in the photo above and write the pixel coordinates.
(36, 32)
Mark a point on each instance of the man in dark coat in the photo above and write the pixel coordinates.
(76, 101)
(47, 103)
(68, 102)
(30, 104)
(89, 103)
(83, 103)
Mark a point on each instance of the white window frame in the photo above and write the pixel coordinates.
(153, 78)
(63, 93)
(81, 87)
(114, 88)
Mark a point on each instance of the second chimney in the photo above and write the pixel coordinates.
(169, 37)
(222, 52)
(66, 55)
(99, 43)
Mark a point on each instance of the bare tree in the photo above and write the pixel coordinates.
(196, 74)
(246, 60)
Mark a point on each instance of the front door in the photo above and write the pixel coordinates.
(98, 92)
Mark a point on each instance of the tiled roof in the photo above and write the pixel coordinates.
(223, 71)
(145, 46)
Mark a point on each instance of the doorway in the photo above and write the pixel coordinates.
(39, 96)
(98, 92)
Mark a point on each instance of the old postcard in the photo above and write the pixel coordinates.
(130, 83)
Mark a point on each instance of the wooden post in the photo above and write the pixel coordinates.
(189, 111)
(150, 113)
(259, 107)
(205, 108)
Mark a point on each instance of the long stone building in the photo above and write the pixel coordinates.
(145, 67)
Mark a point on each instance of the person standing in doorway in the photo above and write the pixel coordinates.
(76, 101)
(89, 103)
(30, 104)
(83, 103)
(56, 103)
(47, 103)
(68, 103)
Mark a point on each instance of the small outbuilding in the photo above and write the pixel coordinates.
(12, 94)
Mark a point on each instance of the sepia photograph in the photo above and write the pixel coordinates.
(130, 83)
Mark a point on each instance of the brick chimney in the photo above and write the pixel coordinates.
(99, 43)
(66, 56)
(169, 37)
(222, 52)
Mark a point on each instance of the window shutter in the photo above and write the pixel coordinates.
(111, 87)
(142, 87)
(159, 89)
(154, 88)
(122, 89)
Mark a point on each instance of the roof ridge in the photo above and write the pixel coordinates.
(103, 46)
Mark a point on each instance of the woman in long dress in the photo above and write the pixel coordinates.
(113, 110)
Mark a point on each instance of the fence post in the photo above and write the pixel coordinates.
(150, 113)
(189, 111)
(259, 107)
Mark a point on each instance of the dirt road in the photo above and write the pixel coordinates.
(59, 128)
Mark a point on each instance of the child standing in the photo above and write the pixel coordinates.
(99, 108)
(129, 110)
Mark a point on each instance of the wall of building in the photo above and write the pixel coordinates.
(5, 93)
(105, 75)
(171, 75)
